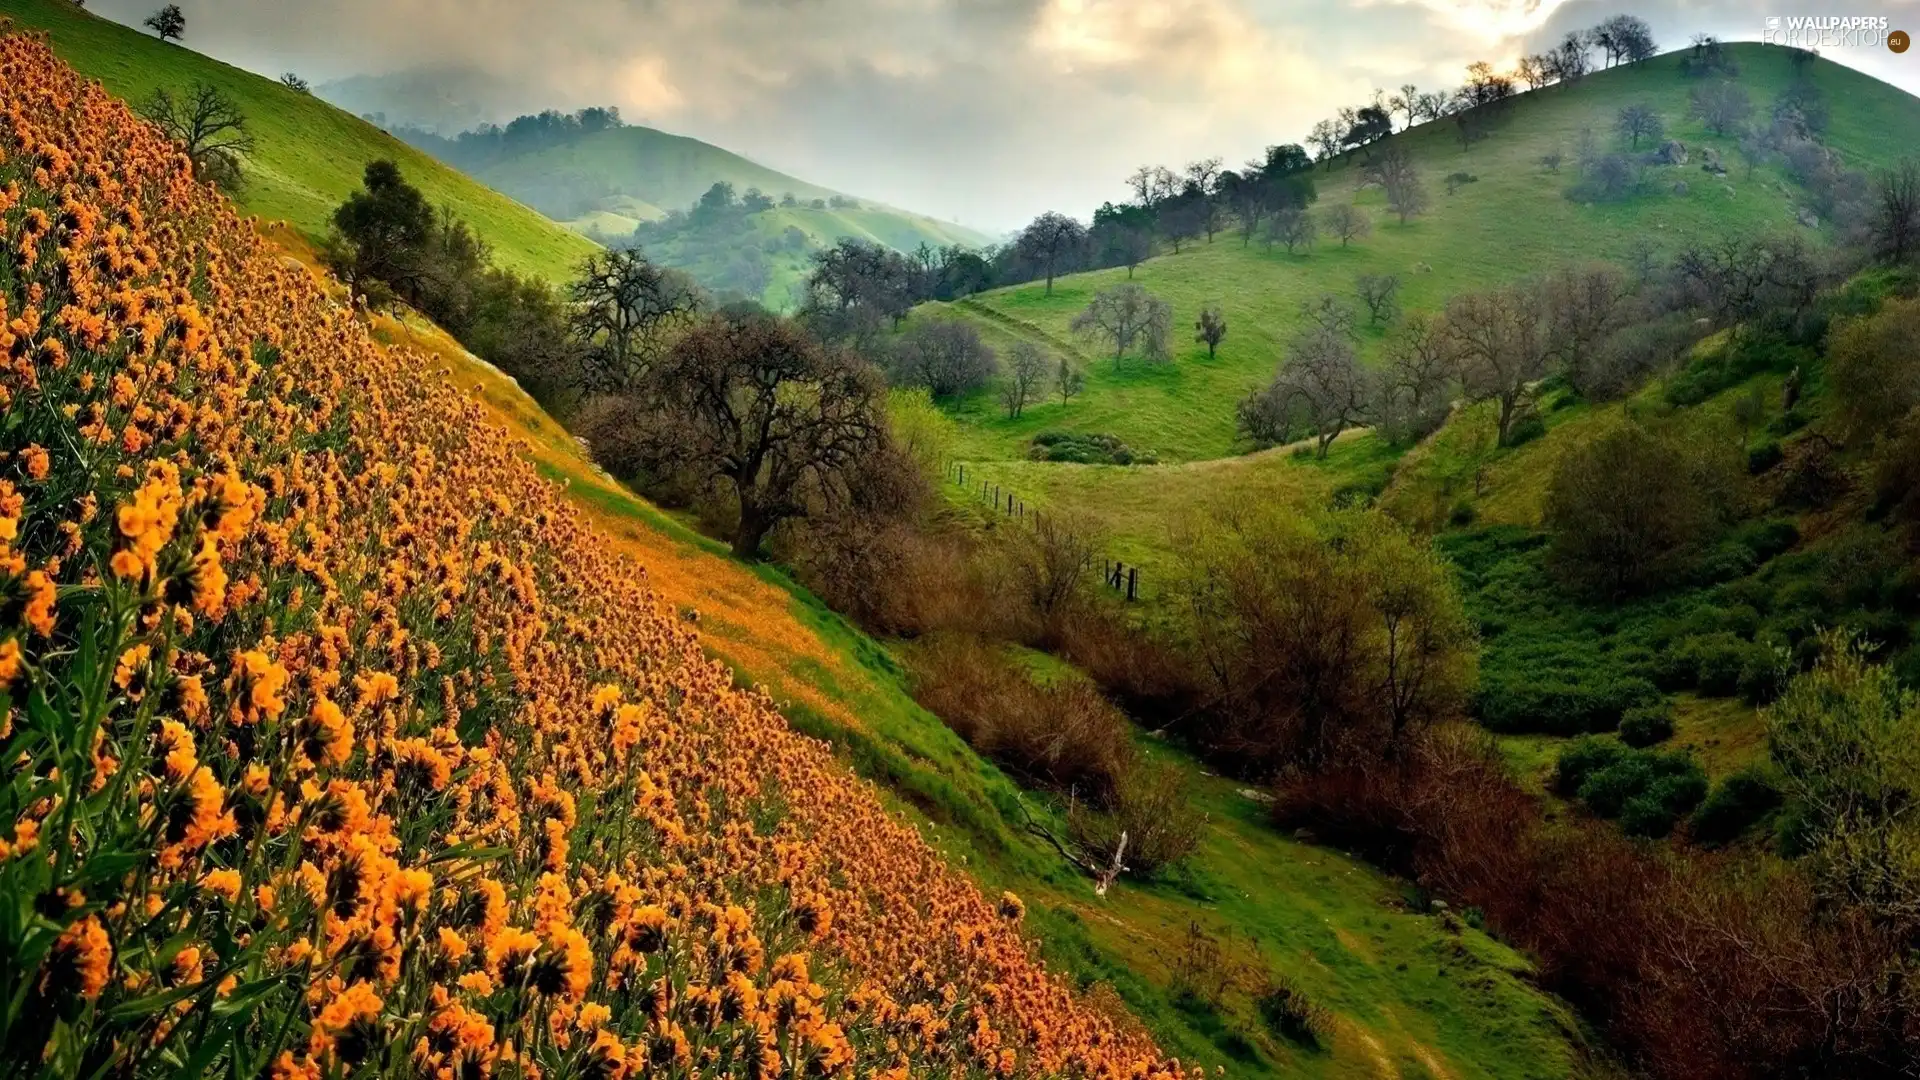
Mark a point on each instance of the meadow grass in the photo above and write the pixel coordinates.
(309, 155)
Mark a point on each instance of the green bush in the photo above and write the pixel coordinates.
(1581, 759)
(1292, 1015)
(1552, 703)
(1665, 801)
(1647, 790)
(1735, 805)
(1765, 456)
(1526, 429)
(1086, 449)
(1646, 725)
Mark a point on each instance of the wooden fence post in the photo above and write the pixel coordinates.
(1133, 584)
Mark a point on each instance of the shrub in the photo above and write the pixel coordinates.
(1086, 449)
(1645, 725)
(1764, 457)
(1581, 759)
(1632, 509)
(1527, 428)
(1735, 805)
(1655, 810)
(1066, 737)
(1548, 703)
(1152, 806)
(1292, 1015)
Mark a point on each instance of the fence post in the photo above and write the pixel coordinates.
(1133, 584)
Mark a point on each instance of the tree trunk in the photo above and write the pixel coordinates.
(750, 533)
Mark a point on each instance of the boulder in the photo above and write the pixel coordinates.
(1807, 217)
(1680, 187)
(1710, 162)
(1672, 152)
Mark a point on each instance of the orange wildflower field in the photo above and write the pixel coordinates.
(335, 744)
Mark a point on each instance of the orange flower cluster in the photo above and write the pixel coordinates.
(335, 743)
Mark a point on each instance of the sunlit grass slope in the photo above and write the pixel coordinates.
(310, 154)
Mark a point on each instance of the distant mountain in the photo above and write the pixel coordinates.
(445, 100)
(621, 183)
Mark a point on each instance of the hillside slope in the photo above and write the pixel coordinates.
(310, 154)
(341, 744)
(1514, 219)
(1412, 997)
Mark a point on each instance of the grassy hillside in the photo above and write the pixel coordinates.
(1515, 219)
(1415, 996)
(310, 154)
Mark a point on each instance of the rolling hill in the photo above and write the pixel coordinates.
(1513, 219)
(608, 182)
(309, 154)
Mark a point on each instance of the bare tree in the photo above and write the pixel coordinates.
(625, 311)
(1381, 295)
(1122, 316)
(1637, 122)
(1211, 329)
(1721, 108)
(1431, 105)
(1202, 185)
(1584, 306)
(757, 403)
(1394, 171)
(1499, 341)
(1896, 212)
(168, 23)
(1068, 380)
(1292, 226)
(1332, 314)
(1326, 137)
(1532, 70)
(947, 356)
(207, 125)
(1414, 383)
(1406, 102)
(1347, 222)
(295, 83)
(1052, 242)
(1320, 385)
(1026, 366)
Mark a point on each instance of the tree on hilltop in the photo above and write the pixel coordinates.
(1052, 243)
(208, 126)
(168, 22)
(1625, 39)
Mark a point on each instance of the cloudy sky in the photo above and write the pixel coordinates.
(980, 111)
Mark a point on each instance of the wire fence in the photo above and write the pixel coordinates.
(1115, 574)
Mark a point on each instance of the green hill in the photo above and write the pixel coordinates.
(309, 154)
(1514, 219)
(629, 184)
